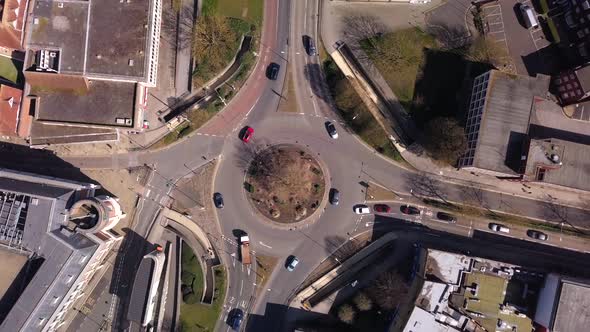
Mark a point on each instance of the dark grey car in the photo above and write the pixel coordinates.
(334, 196)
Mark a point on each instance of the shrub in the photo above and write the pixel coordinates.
(363, 302)
(346, 313)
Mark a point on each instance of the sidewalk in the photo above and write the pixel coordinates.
(351, 265)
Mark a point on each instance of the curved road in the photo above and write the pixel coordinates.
(349, 162)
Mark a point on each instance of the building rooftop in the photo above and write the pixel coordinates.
(421, 320)
(482, 297)
(103, 104)
(564, 163)
(572, 309)
(583, 75)
(43, 133)
(61, 26)
(10, 101)
(447, 266)
(106, 38)
(505, 120)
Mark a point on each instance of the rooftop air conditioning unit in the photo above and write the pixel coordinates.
(52, 54)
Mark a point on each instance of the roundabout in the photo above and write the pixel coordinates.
(285, 183)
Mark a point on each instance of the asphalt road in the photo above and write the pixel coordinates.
(348, 161)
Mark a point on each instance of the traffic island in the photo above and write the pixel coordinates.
(285, 183)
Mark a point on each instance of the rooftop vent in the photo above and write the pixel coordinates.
(554, 158)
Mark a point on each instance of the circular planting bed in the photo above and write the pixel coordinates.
(285, 183)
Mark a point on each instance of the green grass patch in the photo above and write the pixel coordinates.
(544, 7)
(10, 70)
(401, 68)
(191, 274)
(209, 7)
(354, 112)
(553, 29)
(201, 317)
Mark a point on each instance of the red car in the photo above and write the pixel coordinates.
(247, 134)
(382, 208)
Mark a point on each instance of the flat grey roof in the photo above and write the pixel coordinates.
(61, 28)
(583, 75)
(505, 119)
(572, 310)
(42, 133)
(118, 33)
(98, 37)
(575, 169)
(140, 291)
(101, 105)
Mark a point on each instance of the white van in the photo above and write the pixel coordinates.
(529, 17)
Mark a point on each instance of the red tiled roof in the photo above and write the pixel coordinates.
(10, 101)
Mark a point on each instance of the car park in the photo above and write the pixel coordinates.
(218, 200)
(331, 128)
(334, 196)
(272, 72)
(247, 133)
(537, 235)
(499, 228)
(235, 319)
(361, 209)
(446, 217)
(292, 263)
(383, 208)
(409, 209)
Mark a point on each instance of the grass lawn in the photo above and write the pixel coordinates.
(199, 317)
(428, 81)
(355, 113)
(10, 70)
(402, 74)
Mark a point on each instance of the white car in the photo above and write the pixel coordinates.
(331, 130)
(362, 209)
(499, 228)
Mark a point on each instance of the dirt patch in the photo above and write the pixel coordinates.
(376, 192)
(285, 183)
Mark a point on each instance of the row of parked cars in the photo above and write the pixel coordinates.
(533, 234)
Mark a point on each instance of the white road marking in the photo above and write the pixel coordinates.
(297, 53)
(241, 287)
(248, 270)
(147, 193)
(265, 245)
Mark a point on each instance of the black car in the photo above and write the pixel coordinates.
(236, 318)
(408, 209)
(446, 217)
(334, 196)
(536, 235)
(218, 200)
(272, 72)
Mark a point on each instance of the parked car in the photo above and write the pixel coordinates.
(499, 228)
(446, 217)
(292, 263)
(218, 200)
(383, 208)
(272, 71)
(334, 196)
(409, 209)
(247, 133)
(528, 16)
(236, 318)
(537, 235)
(331, 128)
(361, 209)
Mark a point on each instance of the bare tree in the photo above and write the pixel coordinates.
(449, 36)
(362, 27)
(346, 313)
(388, 290)
(363, 302)
(423, 184)
(553, 211)
(213, 42)
(487, 50)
